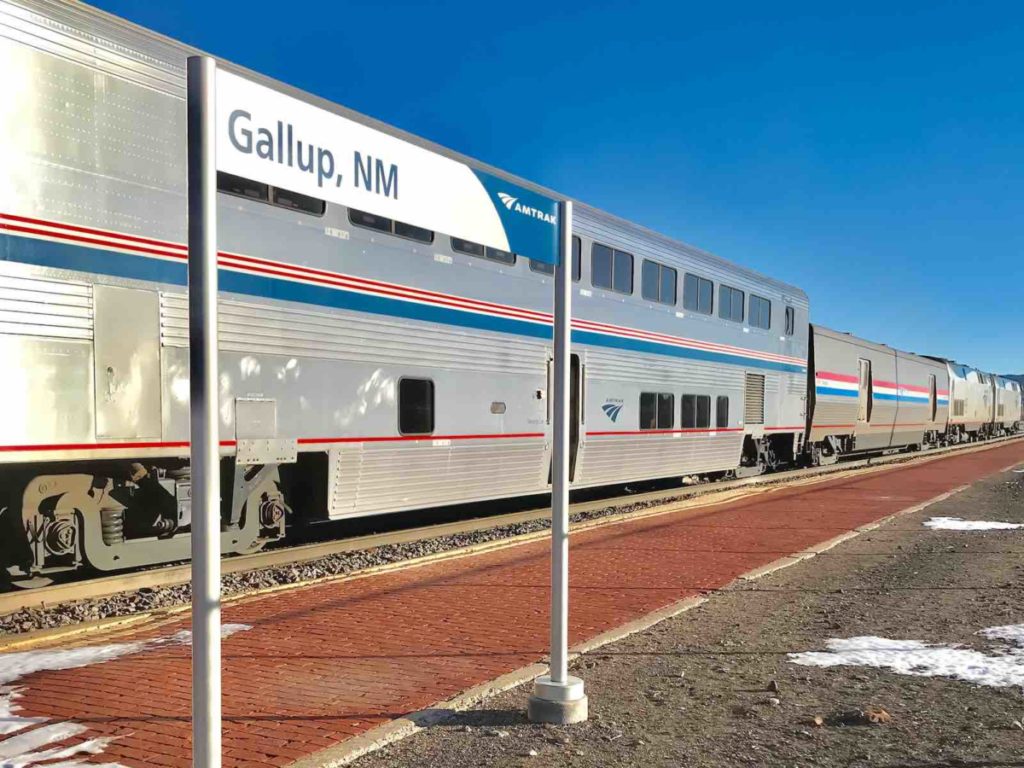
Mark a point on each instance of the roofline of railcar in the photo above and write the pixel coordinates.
(879, 345)
(55, 7)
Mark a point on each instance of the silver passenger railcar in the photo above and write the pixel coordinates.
(395, 368)
(869, 397)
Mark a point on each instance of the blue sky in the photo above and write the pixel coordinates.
(871, 153)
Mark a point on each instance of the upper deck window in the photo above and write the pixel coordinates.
(298, 202)
(264, 193)
(368, 220)
(413, 233)
(698, 294)
(730, 303)
(760, 312)
(658, 282)
(611, 269)
(238, 185)
(577, 250)
(482, 251)
(543, 267)
(790, 321)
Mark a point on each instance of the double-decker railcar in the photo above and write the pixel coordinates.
(866, 396)
(393, 367)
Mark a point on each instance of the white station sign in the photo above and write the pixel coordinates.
(276, 139)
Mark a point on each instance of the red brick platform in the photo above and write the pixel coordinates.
(323, 663)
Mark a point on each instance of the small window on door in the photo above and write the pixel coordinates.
(933, 404)
(415, 406)
(790, 321)
(865, 391)
(722, 412)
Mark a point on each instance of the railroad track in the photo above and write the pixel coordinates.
(697, 496)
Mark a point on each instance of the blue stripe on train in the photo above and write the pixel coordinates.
(46, 253)
(878, 396)
(837, 392)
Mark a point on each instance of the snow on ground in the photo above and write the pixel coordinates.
(1004, 666)
(31, 747)
(959, 524)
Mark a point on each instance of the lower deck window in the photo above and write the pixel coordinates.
(696, 412)
(415, 406)
(657, 410)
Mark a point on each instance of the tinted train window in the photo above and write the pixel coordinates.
(698, 294)
(658, 282)
(415, 406)
(611, 269)
(481, 251)
(760, 312)
(496, 254)
(467, 246)
(657, 410)
(722, 411)
(730, 303)
(298, 202)
(542, 266)
(790, 321)
(577, 249)
(237, 185)
(413, 233)
(369, 220)
(696, 412)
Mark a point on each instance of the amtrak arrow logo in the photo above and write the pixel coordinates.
(612, 410)
(513, 204)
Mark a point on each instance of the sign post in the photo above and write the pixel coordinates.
(558, 697)
(205, 437)
(286, 142)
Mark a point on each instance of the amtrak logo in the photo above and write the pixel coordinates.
(513, 204)
(612, 410)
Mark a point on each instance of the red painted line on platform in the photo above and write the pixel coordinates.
(323, 663)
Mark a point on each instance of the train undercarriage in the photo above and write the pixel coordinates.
(122, 515)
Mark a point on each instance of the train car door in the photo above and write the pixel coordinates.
(576, 373)
(575, 411)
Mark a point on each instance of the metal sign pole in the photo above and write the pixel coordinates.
(205, 459)
(558, 697)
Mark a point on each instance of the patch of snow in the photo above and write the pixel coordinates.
(1004, 667)
(32, 747)
(959, 524)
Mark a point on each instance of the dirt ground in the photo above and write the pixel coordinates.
(715, 687)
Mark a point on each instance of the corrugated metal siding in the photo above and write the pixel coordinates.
(277, 329)
(619, 459)
(433, 472)
(633, 368)
(52, 308)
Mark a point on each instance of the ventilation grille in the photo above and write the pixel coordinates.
(35, 307)
(753, 399)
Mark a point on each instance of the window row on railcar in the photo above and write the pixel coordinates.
(611, 269)
(658, 410)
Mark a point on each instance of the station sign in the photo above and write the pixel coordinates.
(277, 139)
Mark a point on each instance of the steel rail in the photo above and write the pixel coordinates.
(106, 586)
